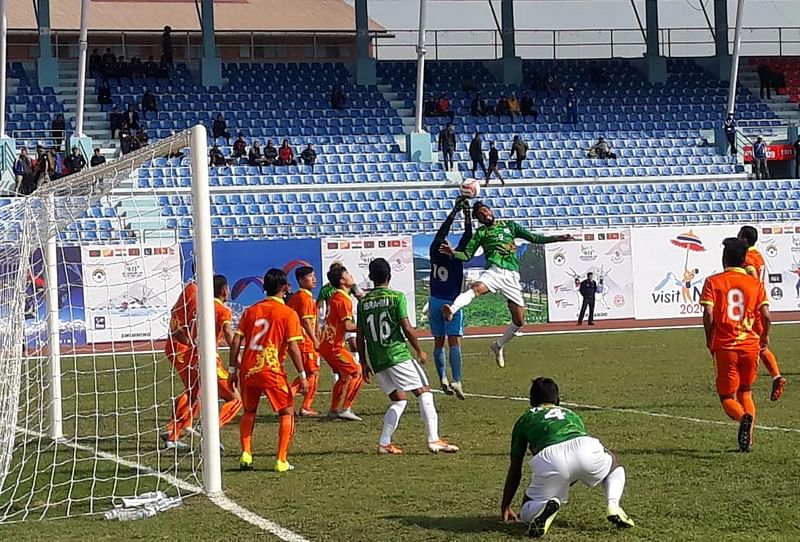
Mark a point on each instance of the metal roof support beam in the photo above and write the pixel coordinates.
(365, 64)
(211, 64)
(46, 63)
(512, 64)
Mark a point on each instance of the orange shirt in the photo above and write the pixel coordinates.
(184, 311)
(222, 316)
(754, 263)
(267, 328)
(340, 310)
(304, 305)
(735, 299)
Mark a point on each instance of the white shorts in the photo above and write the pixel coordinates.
(406, 376)
(503, 282)
(582, 459)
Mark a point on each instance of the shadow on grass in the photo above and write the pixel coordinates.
(472, 524)
(676, 452)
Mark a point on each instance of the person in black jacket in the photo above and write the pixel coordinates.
(220, 129)
(764, 80)
(494, 158)
(476, 154)
(588, 289)
(447, 144)
(730, 131)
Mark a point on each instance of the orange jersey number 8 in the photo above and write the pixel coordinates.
(735, 309)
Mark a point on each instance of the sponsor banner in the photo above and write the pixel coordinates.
(670, 265)
(774, 152)
(606, 254)
(355, 255)
(128, 290)
(780, 246)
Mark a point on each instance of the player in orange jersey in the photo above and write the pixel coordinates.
(732, 302)
(754, 264)
(267, 331)
(333, 349)
(302, 302)
(224, 334)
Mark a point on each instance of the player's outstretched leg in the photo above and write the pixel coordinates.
(614, 486)
(517, 321)
(463, 299)
(543, 515)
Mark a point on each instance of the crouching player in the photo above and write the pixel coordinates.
(563, 453)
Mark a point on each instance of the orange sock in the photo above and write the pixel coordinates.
(746, 400)
(229, 411)
(338, 391)
(285, 433)
(356, 381)
(246, 424)
(187, 408)
(313, 382)
(770, 362)
(733, 408)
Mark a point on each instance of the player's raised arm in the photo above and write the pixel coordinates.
(467, 236)
(521, 233)
(471, 246)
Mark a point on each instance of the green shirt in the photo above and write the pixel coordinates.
(379, 315)
(498, 244)
(326, 292)
(544, 426)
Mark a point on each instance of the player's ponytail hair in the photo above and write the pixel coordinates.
(274, 281)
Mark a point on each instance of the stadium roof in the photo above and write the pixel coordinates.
(229, 15)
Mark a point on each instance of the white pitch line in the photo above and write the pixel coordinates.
(219, 500)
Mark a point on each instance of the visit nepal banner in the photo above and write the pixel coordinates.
(356, 253)
(607, 254)
(128, 291)
(780, 246)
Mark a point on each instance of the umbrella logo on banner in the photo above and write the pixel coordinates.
(686, 279)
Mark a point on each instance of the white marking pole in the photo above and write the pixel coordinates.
(53, 333)
(421, 65)
(206, 337)
(83, 47)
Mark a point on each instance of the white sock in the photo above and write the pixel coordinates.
(463, 300)
(391, 420)
(614, 485)
(430, 419)
(509, 334)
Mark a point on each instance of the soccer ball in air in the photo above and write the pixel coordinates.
(470, 188)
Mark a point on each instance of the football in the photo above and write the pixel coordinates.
(470, 188)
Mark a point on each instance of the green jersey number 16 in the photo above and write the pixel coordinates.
(380, 327)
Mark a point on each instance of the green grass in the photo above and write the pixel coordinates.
(685, 482)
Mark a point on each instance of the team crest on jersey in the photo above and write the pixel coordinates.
(268, 358)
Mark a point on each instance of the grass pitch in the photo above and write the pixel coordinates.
(657, 409)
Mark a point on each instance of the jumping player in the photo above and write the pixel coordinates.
(732, 302)
(302, 302)
(501, 275)
(267, 331)
(754, 265)
(333, 349)
(383, 327)
(447, 277)
(563, 453)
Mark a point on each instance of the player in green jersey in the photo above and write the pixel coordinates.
(501, 275)
(563, 453)
(383, 327)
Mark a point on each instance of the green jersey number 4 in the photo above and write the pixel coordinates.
(554, 413)
(380, 327)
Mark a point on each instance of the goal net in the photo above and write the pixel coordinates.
(89, 269)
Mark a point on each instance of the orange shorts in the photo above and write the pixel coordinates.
(341, 361)
(279, 396)
(736, 370)
(310, 362)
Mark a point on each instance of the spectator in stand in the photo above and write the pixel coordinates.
(97, 158)
(476, 155)
(59, 128)
(764, 80)
(239, 147)
(166, 45)
(552, 84)
(148, 103)
(95, 63)
(797, 157)
(526, 107)
(601, 150)
(494, 159)
(513, 106)
(136, 67)
(142, 138)
(478, 107)
(760, 159)
(131, 118)
(115, 118)
(270, 154)
(163, 68)
(519, 151)
(502, 107)
(57, 164)
(216, 157)
(104, 94)
(255, 158)
(730, 131)
(286, 155)
(443, 107)
(23, 168)
(309, 156)
(125, 137)
(220, 129)
(572, 107)
(430, 107)
(109, 65)
(151, 69)
(75, 162)
(447, 144)
(122, 69)
(778, 81)
(596, 75)
(338, 98)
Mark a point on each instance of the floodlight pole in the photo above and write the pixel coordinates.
(421, 65)
(83, 46)
(737, 44)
